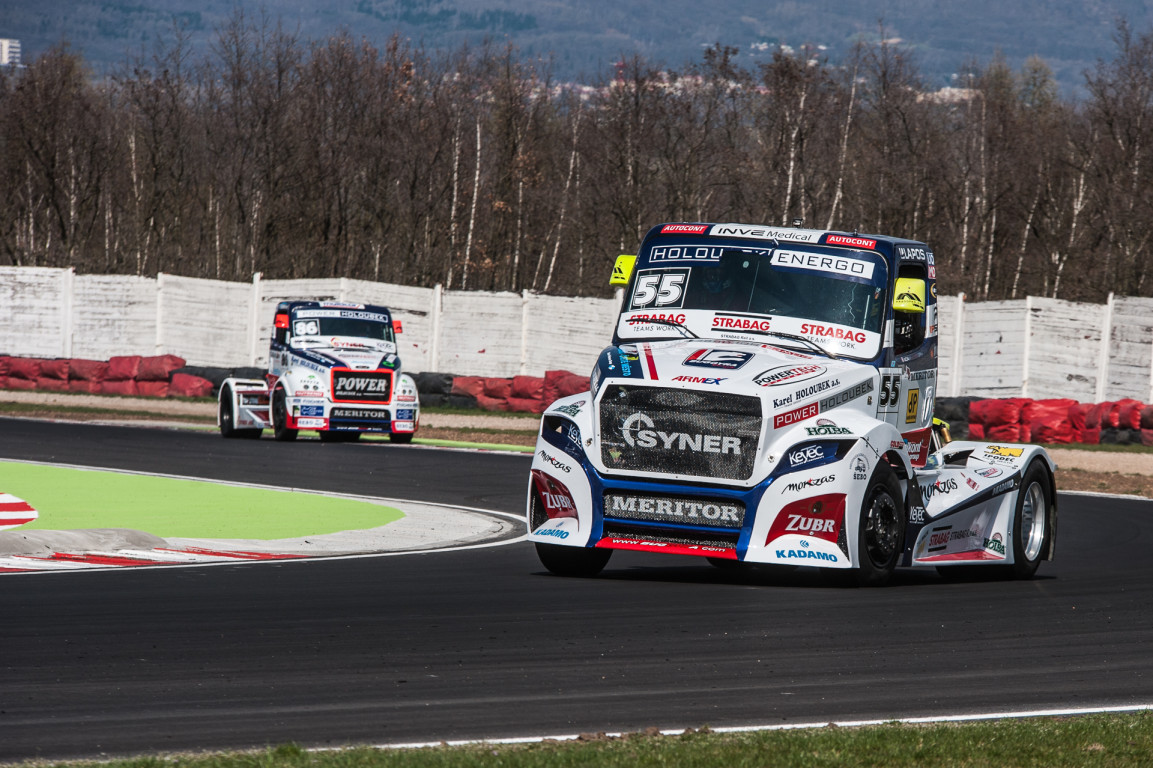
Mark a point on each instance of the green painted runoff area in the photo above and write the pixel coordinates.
(71, 499)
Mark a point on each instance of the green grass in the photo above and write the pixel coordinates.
(1111, 741)
(72, 499)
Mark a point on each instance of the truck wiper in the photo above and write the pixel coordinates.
(808, 342)
(663, 321)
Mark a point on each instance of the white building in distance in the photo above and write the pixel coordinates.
(9, 52)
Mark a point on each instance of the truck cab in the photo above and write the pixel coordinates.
(768, 398)
(332, 368)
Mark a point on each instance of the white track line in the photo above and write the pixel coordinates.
(1012, 715)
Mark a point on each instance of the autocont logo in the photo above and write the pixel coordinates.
(684, 229)
(775, 377)
(859, 242)
(639, 431)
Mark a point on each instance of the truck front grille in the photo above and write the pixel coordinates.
(361, 386)
(679, 431)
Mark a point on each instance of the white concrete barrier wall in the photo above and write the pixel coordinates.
(1130, 350)
(1033, 347)
(34, 311)
(112, 315)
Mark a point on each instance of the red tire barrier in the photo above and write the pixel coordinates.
(123, 368)
(187, 385)
(158, 367)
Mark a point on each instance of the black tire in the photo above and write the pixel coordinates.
(581, 562)
(402, 438)
(280, 430)
(879, 534)
(228, 422)
(1030, 534)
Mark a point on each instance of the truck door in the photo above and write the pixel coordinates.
(913, 373)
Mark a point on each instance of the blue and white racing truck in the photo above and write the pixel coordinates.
(768, 398)
(332, 368)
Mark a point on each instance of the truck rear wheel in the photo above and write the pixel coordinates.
(879, 531)
(1030, 534)
(280, 429)
(404, 438)
(228, 427)
(581, 562)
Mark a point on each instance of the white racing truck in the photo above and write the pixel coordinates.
(768, 398)
(333, 368)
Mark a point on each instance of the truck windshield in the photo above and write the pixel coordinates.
(832, 296)
(361, 325)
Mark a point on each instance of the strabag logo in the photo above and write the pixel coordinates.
(724, 359)
(638, 431)
(774, 377)
(833, 332)
(736, 323)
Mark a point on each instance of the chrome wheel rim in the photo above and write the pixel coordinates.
(1032, 521)
(881, 530)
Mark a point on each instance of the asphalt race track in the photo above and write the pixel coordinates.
(485, 643)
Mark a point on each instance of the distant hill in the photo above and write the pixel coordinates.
(584, 37)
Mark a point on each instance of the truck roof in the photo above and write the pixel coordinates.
(288, 306)
(763, 232)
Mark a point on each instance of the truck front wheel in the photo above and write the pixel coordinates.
(879, 532)
(582, 562)
(280, 429)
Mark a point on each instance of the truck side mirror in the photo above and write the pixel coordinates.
(280, 328)
(623, 269)
(909, 295)
(397, 326)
